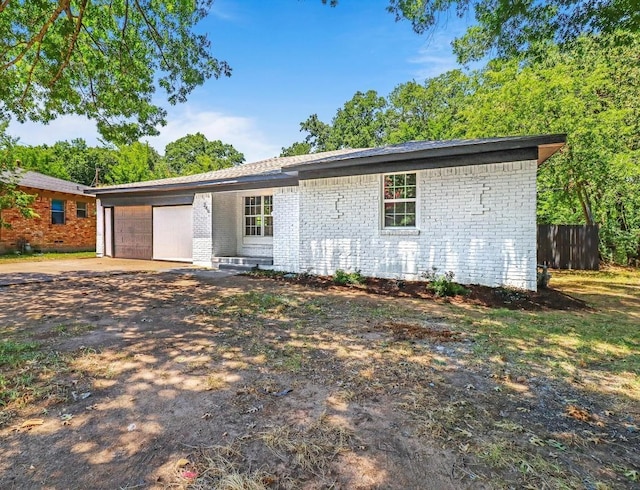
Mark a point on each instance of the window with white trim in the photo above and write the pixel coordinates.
(81, 209)
(399, 200)
(258, 216)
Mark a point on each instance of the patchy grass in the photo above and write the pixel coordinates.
(28, 376)
(35, 257)
(592, 346)
(298, 387)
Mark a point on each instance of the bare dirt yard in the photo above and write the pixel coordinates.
(180, 380)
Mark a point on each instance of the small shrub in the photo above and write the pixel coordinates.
(442, 284)
(341, 277)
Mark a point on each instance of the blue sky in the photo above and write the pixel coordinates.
(290, 59)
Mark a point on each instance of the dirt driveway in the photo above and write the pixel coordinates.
(188, 380)
(22, 272)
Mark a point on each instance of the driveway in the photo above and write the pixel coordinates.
(54, 270)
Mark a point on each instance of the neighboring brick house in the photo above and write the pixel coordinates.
(466, 206)
(66, 217)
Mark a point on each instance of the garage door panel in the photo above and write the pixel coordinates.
(133, 230)
(172, 233)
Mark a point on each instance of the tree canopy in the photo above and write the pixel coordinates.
(589, 90)
(102, 59)
(10, 196)
(510, 27)
(194, 153)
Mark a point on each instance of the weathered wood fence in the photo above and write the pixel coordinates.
(568, 246)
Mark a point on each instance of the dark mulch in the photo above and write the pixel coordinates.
(513, 299)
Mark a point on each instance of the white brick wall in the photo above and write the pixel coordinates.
(99, 229)
(477, 221)
(202, 230)
(286, 233)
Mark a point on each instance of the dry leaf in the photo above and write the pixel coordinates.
(27, 424)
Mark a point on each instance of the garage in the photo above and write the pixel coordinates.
(132, 230)
(172, 233)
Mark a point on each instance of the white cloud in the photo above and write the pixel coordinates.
(242, 132)
(433, 59)
(61, 129)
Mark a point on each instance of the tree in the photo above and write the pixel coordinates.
(429, 111)
(194, 153)
(360, 123)
(102, 59)
(510, 27)
(10, 195)
(296, 148)
(589, 89)
(134, 163)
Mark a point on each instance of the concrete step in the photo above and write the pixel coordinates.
(240, 263)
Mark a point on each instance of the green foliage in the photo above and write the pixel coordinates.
(442, 284)
(508, 28)
(10, 195)
(194, 153)
(102, 59)
(296, 148)
(134, 163)
(360, 123)
(589, 89)
(343, 278)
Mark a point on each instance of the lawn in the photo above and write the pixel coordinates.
(12, 257)
(162, 380)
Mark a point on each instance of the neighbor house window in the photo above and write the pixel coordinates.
(81, 209)
(57, 212)
(399, 200)
(258, 218)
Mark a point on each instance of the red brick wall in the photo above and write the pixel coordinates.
(76, 234)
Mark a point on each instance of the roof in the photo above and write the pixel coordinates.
(36, 180)
(428, 149)
(286, 170)
(270, 166)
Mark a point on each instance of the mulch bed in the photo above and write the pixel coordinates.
(513, 299)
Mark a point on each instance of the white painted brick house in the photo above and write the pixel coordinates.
(467, 206)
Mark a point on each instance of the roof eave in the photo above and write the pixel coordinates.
(547, 141)
(198, 186)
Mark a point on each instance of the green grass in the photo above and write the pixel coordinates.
(13, 354)
(605, 338)
(11, 258)
(26, 375)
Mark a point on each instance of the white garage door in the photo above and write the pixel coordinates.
(172, 233)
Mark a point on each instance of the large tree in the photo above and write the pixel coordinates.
(10, 196)
(102, 59)
(589, 89)
(509, 27)
(194, 153)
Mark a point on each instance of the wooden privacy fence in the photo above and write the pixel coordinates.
(568, 246)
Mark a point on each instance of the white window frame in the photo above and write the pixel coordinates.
(399, 229)
(84, 207)
(254, 239)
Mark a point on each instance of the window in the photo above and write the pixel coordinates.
(57, 212)
(399, 192)
(258, 216)
(81, 209)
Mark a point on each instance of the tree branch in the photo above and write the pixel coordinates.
(62, 5)
(3, 5)
(154, 33)
(72, 41)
